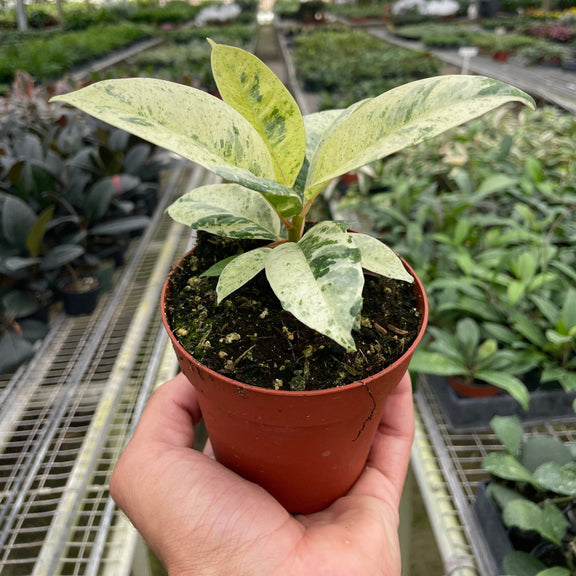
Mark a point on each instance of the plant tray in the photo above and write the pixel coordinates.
(495, 534)
(466, 414)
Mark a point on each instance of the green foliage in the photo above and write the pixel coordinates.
(286, 8)
(358, 11)
(492, 43)
(184, 57)
(176, 12)
(545, 53)
(348, 66)
(532, 482)
(487, 215)
(49, 58)
(420, 31)
(257, 140)
(443, 40)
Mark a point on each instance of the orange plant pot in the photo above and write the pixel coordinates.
(305, 448)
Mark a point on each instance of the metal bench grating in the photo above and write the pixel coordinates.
(65, 417)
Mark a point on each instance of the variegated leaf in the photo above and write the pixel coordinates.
(319, 280)
(227, 210)
(251, 88)
(316, 125)
(191, 123)
(405, 116)
(379, 259)
(240, 270)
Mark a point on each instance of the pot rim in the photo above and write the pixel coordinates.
(306, 393)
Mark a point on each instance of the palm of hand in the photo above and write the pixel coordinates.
(200, 518)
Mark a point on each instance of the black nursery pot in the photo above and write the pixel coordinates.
(80, 302)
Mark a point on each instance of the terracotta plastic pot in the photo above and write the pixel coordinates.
(305, 448)
(474, 390)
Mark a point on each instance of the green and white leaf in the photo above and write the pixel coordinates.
(228, 210)
(378, 258)
(241, 270)
(191, 123)
(556, 478)
(548, 521)
(217, 268)
(316, 125)
(251, 88)
(505, 466)
(320, 281)
(514, 386)
(509, 431)
(404, 116)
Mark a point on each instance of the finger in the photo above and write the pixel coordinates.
(390, 453)
(170, 415)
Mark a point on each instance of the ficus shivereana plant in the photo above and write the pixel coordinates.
(275, 162)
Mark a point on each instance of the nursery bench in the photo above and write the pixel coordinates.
(66, 416)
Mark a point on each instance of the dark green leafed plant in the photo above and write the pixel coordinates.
(535, 487)
(277, 162)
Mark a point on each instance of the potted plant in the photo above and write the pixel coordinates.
(305, 446)
(474, 367)
(545, 53)
(79, 293)
(528, 504)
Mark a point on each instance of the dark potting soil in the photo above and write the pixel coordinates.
(250, 338)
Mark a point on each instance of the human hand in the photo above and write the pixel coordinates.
(202, 519)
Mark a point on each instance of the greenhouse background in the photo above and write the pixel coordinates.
(485, 214)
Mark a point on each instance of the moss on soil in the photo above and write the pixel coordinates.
(250, 338)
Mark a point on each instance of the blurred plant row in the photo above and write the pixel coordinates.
(48, 58)
(48, 54)
(534, 42)
(346, 66)
(508, 11)
(184, 57)
(487, 216)
(79, 16)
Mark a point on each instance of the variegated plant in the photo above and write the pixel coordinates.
(275, 163)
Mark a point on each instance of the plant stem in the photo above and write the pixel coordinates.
(560, 500)
(75, 279)
(295, 233)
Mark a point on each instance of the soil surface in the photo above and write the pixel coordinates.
(250, 338)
